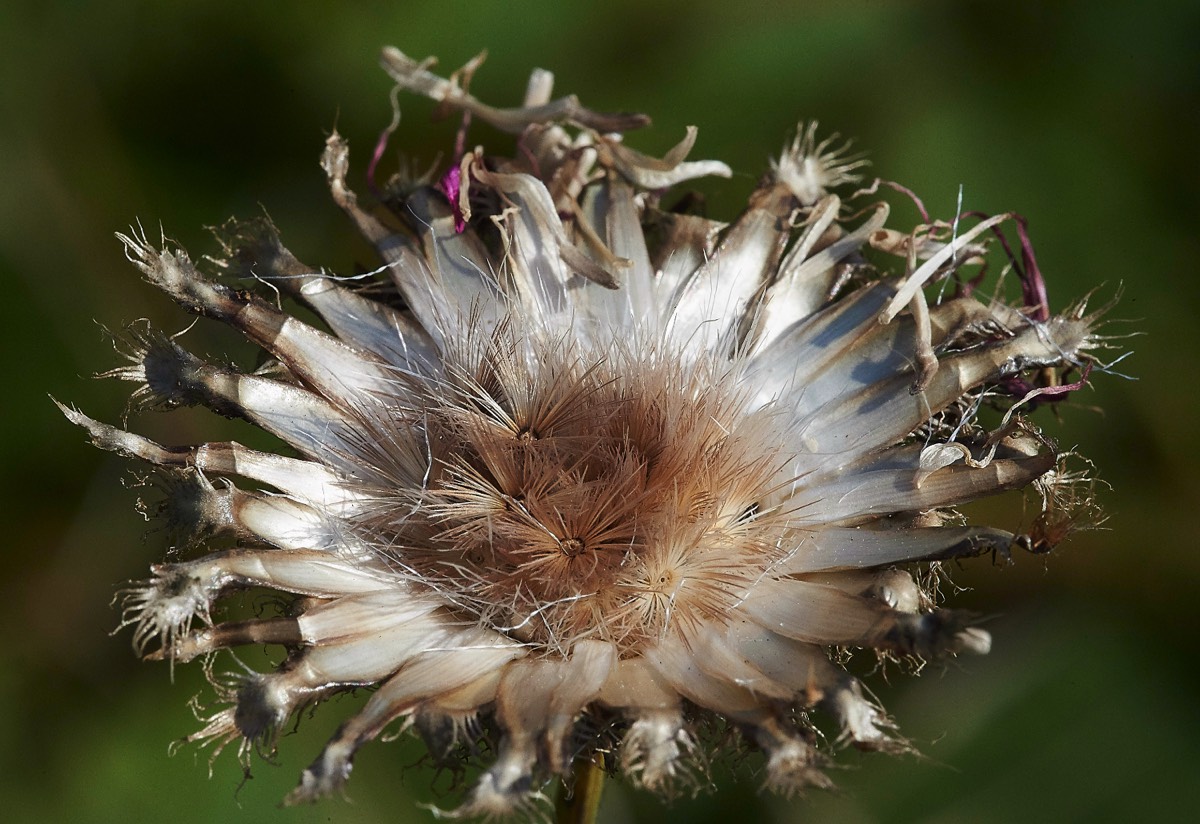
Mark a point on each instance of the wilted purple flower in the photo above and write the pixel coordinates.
(602, 476)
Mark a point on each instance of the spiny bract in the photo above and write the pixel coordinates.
(595, 476)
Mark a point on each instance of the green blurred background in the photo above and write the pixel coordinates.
(1082, 115)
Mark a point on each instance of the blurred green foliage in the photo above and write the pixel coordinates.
(1084, 116)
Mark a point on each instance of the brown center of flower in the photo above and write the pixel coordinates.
(584, 500)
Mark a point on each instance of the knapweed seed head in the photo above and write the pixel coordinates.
(574, 474)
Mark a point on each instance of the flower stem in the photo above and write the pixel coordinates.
(579, 803)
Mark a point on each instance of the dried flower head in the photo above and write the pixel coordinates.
(592, 476)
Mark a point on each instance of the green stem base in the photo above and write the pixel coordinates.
(579, 803)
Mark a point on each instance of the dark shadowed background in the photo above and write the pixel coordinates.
(1081, 115)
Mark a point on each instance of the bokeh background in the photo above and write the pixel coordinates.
(1082, 115)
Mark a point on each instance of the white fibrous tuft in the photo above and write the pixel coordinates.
(577, 478)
